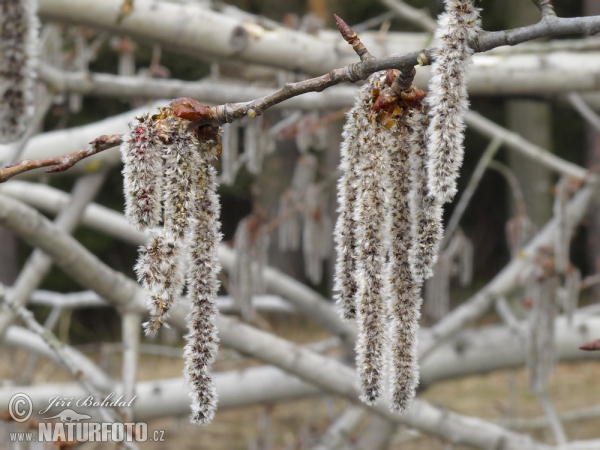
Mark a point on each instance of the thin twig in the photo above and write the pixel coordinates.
(553, 420)
(466, 196)
(352, 73)
(584, 110)
(415, 16)
(63, 162)
(55, 344)
(513, 184)
(131, 324)
(39, 263)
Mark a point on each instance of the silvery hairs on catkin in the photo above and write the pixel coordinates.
(370, 248)
(357, 120)
(18, 59)
(160, 266)
(404, 292)
(447, 97)
(203, 286)
(425, 209)
(164, 143)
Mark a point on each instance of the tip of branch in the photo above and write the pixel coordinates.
(352, 38)
(591, 346)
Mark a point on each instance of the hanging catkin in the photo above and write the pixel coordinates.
(425, 209)
(18, 59)
(179, 190)
(203, 286)
(404, 292)
(357, 121)
(191, 221)
(371, 246)
(142, 173)
(447, 97)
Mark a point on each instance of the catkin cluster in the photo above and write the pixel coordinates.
(168, 176)
(400, 161)
(386, 219)
(18, 56)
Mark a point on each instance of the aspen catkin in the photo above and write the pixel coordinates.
(370, 249)
(203, 286)
(18, 59)
(425, 209)
(142, 173)
(403, 291)
(447, 97)
(344, 233)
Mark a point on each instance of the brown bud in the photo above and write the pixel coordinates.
(190, 109)
(591, 346)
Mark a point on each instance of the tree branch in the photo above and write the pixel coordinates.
(61, 163)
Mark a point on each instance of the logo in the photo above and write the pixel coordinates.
(68, 415)
(20, 407)
(72, 426)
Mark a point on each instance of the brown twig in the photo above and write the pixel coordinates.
(63, 162)
(352, 38)
(591, 346)
(352, 73)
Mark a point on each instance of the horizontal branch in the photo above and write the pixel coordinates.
(89, 299)
(61, 163)
(509, 277)
(321, 371)
(307, 302)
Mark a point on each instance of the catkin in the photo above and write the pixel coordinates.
(370, 249)
(344, 234)
(18, 59)
(403, 291)
(179, 191)
(158, 271)
(425, 209)
(447, 97)
(142, 174)
(203, 286)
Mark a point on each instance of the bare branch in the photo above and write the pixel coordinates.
(64, 162)
(515, 141)
(413, 15)
(584, 110)
(466, 196)
(506, 280)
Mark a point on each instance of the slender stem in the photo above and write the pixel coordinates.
(466, 196)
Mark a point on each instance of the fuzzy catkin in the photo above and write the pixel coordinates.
(447, 97)
(425, 209)
(18, 59)
(203, 286)
(344, 234)
(158, 270)
(180, 153)
(403, 291)
(142, 173)
(369, 220)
